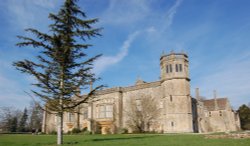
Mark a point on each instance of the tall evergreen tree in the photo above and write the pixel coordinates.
(13, 124)
(23, 121)
(36, 115)
(62, 67)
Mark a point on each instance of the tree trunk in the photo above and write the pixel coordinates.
(60, 125)
(60, 115)
(59, 128)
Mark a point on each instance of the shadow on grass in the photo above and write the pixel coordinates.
(122, 138)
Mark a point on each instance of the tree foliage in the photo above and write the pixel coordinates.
(62, 67)
(244, 113)
(9, 118)
(35, 118)
(13, 124)
(142, 112)
(22, 127)
(14, 120)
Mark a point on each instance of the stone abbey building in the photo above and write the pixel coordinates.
(179, 111)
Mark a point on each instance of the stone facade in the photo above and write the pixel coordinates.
(179, 112)
(215, 115)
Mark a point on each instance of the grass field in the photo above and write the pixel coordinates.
(120, 140)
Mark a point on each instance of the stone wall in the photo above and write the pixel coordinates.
(179, 112)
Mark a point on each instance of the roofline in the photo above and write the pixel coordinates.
(166, 55)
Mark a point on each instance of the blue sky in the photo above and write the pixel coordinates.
(214, 33)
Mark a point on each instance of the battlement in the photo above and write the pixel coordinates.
(175, 55)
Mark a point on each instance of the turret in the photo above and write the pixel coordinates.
(174, 66)
(175, 85)
(175, 74)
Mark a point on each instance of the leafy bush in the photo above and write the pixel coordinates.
(76, 130)
(53, 132)
(84, 129)
(87, 132)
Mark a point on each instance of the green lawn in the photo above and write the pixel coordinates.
(120, 140)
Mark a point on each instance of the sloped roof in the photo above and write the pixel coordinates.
(210, 104)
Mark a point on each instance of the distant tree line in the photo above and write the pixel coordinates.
(244, 113)
(15, 120)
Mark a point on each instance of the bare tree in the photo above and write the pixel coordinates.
(142, 112)
(9, 118)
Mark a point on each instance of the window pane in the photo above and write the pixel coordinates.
(85, 114)
(109, 108)
(102, 115)
(176, 67)
(102, 111)
(167, 68)
(172, 124)
(180, 67)
(106, 111)
(102, 108)
(109, 114)
(170, 67)
(71, 117)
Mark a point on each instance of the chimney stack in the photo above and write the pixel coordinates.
(91, 86)
(215, 100)
(197, 93)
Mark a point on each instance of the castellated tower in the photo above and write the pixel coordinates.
(175, 85)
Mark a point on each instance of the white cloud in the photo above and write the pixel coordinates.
(106, 61)
(151, 29)
(170, 15)
(159, 30)
(132, 12)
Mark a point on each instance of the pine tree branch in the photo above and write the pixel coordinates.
(76, 102)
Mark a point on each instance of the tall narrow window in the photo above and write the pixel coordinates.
(171, 98)
(176, 67)
(109, 111)
(167, 68)
(172, 124)
(180, 67)
(102, 111)
(71, 117)
(170, 67)
(85, 113)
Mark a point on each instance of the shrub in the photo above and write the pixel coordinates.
(76, 130)
(87, 132)
(53, 132)
(123, 131)
(84, 129)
